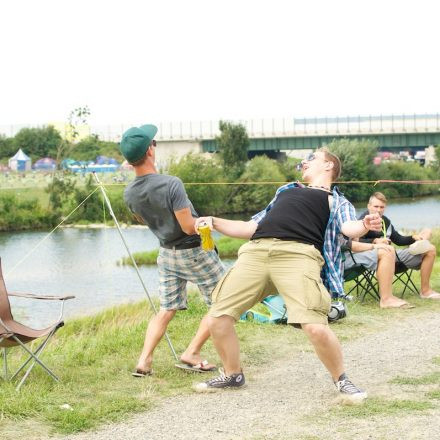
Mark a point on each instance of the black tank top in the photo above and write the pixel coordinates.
(299, 214)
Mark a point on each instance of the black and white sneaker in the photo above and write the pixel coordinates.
(348, 392)
(220, 382)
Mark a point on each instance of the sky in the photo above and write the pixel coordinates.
(136, 62)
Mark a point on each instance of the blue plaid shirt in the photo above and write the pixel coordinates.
(341, 211)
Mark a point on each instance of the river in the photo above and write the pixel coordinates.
(83, 262)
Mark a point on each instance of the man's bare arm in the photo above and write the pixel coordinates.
(358, 228)
(186, 220)
(232, 228)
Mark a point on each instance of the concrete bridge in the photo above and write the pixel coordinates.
(274, 136)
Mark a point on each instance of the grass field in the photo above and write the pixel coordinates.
(95, 355)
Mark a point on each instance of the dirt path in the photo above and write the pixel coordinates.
(294, 399)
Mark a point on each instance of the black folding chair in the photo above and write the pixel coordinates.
(403, 274)
(365, 282)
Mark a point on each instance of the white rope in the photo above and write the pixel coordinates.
(50, 233)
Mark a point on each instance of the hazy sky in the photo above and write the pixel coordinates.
(134, 61)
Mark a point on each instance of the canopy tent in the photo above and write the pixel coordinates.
(46, 163)
(20, 161)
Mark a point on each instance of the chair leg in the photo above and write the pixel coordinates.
(5, 363)
(34, 357)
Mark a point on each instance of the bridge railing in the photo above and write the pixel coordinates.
(287, 127)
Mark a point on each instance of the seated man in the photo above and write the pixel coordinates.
(381, 258)
(423, 260)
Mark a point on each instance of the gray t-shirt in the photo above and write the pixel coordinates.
(154, 198)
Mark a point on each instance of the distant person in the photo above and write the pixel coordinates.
(421, 253)
(160, 202)
(293, 241)
(378, 257)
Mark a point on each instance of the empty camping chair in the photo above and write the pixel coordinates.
(14, 334)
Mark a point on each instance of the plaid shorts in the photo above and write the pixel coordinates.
(176, 267)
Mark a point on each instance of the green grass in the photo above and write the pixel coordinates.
(227, 248)
(95, 355)
(381, 407)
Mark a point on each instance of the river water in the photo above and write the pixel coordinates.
(83, 262)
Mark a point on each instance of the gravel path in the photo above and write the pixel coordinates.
(288, 400)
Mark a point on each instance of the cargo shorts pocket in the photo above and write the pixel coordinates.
(316, 296)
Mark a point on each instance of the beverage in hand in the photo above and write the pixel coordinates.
(205, 235)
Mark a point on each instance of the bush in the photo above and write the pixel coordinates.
(253, 198)
(405, 171)
(207, 199)
(24, 214)
(357, 164)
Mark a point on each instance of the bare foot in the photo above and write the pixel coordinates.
(196, 360)
(392, 303)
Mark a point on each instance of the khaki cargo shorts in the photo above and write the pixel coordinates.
(292, 268)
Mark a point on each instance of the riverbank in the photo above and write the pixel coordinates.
(94, 357)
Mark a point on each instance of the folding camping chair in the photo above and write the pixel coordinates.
(365, 282)
(403, 274)
(14, 334)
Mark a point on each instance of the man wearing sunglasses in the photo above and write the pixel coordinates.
(293, 241)
(160, 202)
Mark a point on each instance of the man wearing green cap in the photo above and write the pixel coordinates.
(160, 202)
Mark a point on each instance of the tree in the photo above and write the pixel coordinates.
(38, 142)
(357, 164)
(254, 197)
(7, 147)
(233, 144)
(207, 199)
(77, 117)
(92, 146)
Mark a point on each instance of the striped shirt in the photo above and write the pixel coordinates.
(341, 211)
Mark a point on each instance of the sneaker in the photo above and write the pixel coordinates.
(222, 381)
(349, 392)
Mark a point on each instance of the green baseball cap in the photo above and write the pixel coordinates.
(136, 140)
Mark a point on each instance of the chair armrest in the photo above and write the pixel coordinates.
(48, 297)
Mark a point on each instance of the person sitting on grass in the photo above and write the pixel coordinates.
(421, 253)
(379, 257)
(160, 202)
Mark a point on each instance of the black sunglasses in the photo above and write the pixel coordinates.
(153, 142)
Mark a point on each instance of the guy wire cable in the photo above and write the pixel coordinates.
(107, 201)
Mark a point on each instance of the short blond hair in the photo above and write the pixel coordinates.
(337, 167)
(379, 196)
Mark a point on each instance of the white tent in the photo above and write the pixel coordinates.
(20, 161)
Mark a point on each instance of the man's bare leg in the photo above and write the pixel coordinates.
(384, 273)
(192, 354)
(327, 347)
(425, 274)
(155, 330)
(226, 342)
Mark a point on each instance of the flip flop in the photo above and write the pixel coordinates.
(141, 373)
(433, 295)
(201, 367)
(402, 306)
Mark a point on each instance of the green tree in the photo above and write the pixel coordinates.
(288, 168)
(91, 147)
(254, 197)
(400, 170)
(357, 164)
(233, 144)
(60, 191)
(7, 147)
(77, 116)
(207, 199)
(38, 142)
